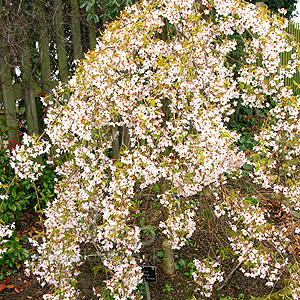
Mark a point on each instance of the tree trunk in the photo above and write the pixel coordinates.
(60, 41)
(92, 34)
(168, 264)
(8, 98)
(115, 143)
(27, 87)
(76, 32)
(44, 43)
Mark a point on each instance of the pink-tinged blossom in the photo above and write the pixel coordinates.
(22, 159)
(6, 231)
(144, 111)
(206, 275)
(249, 228)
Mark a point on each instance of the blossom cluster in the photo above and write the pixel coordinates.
(275, 159)
(295, 279)
(250, 230)
(24, 157)
(179, 228)
(206, 275)
(149, 109)
(6, 231)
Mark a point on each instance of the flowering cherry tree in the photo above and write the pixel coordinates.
(149, 108)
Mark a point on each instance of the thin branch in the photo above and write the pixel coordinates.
(230, 275)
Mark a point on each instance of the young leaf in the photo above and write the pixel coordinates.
(11, 286)
(2, 286)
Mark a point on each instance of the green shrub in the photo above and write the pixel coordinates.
(17, 196)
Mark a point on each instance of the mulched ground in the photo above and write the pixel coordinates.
(180, 286)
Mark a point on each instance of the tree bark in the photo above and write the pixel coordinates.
(76, 32)
(116, 143)
(60, 41)
(45, 59)
(27, 87)
(8, 97)
(168, 265)
(92, 34)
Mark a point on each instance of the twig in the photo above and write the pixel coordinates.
(230, 275)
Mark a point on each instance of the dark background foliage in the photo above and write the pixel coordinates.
(274, 5)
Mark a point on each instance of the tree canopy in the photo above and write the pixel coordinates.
(147, 110)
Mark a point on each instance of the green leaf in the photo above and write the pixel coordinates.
(245, 173)
(22, 110)
(90, 16)
(119, 164)
(181, 262)
(28, 186)
(3, 178)
(19, 206)
(10, 250)
(83, 4)
(5, 218)
(116, 2)
(24, 251)
(96, 18)
(14, 191)
(247, 166)
(89, 5)
(13, 207)
(4, 205)
(128, 2)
